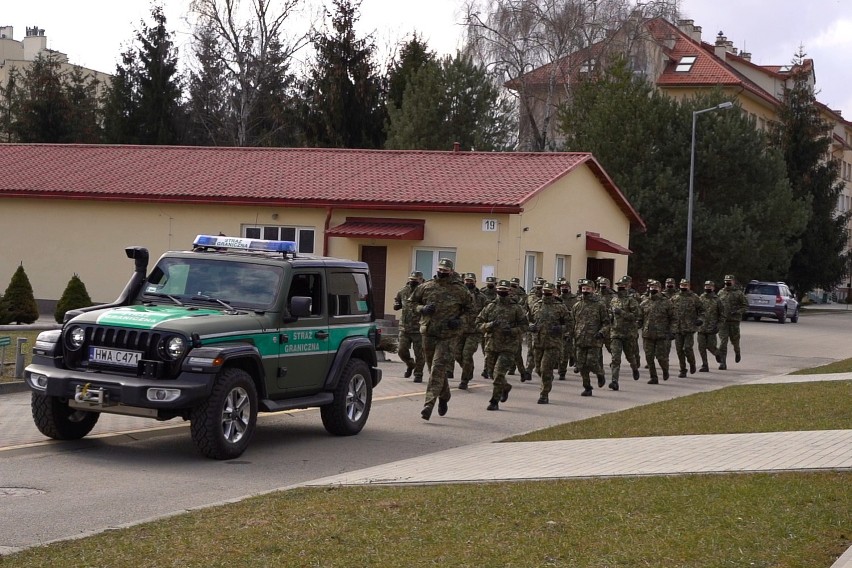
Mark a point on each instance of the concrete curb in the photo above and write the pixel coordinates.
(12, 387)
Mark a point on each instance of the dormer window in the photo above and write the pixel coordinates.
(785, 69)
(685, 64)
(588, 66)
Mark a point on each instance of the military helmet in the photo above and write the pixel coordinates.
(628, 278)
(561, 280)
(653, 283)
(548, 286)
(490, 279)
(415, 275)
(684, 281)
(470, 276)
(729, 277)
(670, 281)
(624, 281)
(585, 282)
(503, 285)
(710, 283)
(445, 263)
(604, 282)
(539, 281)
(515, 280)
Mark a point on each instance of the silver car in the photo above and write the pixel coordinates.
(771, 299)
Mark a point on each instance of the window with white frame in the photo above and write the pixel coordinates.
(685, 64)
(303, 236)
(426, 259)
(530, 269)
(562, 267)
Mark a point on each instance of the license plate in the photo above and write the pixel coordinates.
(762, 301)
(114, 356)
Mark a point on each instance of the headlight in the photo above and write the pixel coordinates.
(175, 347)
(76, 336)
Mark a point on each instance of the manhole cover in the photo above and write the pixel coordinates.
(19, 491)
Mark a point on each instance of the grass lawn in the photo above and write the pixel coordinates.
(844, 366)
(687, 521)
(823, 405)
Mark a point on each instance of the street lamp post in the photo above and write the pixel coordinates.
(695, 113)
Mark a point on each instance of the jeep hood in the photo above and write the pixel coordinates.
(173, 318)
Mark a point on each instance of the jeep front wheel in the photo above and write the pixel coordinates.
(353, 397)
(223, 425)
(55, 419)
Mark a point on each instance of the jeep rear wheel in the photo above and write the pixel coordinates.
(55, 419)
(223, 425)
(353, 397)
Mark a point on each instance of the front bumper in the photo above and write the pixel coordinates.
(120, 390)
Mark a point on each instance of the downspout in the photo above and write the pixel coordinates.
(328, 211)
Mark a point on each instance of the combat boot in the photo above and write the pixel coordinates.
(635, 373)
(737, 357)
(443, 406)
(561, 376)
(586, 391)
(543, 399)
(682, 374)
(505, 396)
(418, 379)
(409, 369)
(601, 380)
(692, 368)
(492, 405)
(426, 413)
(722, 362)
(653, 380)
(613, 385)
(463, 385)
(665, 374)
(704, 368)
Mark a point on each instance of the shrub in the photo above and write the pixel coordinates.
(18, 300)
(75, 296)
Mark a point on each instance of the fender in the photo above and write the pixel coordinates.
(201, 360)
(344, 353)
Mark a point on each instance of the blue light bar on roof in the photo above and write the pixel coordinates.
(244, 244)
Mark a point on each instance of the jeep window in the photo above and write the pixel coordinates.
(240, 284)
(310, 285)
(348, 294)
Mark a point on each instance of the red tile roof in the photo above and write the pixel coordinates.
(498, 182)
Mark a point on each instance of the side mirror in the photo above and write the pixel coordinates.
(300, 306)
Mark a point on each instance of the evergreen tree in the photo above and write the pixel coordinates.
(450, 101)
(84, 113)
(208, 91)
(75, 296)
(7, 109)
(343, 93)
(142, 104)
(804, 138)
(412, 57)
(745, 217)
(42, 112)
(18, 300)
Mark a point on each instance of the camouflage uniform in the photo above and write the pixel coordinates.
(520, 295)
(567, 357)
(623, 332)
(713, 313)
(670, 291)
(634, 294)
(409, 329)
(470, 337)
(532, 300)
(441, 303)
(657, 330)
(489, 290)
(502, 321)
(689, 312)
(590, 323)
(735, 305)
(550, 319)
(606, 295)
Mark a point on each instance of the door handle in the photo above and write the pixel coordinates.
(321, 334)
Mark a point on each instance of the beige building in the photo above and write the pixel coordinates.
(67, 209)
(19, 55)
(680, 63)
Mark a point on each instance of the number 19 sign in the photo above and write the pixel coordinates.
(489, 225)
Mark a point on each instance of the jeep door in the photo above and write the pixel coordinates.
(305, 351)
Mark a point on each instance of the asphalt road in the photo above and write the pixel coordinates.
(52, 491)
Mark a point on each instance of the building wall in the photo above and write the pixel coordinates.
(57, 238)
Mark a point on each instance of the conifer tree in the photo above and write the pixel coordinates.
(75, 296)
(18, 300)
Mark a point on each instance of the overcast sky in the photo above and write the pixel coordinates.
(92, 32)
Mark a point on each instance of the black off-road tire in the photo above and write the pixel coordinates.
(55, 419)
(795, 317)
(783, 318)
(353, 398)
(222, 426)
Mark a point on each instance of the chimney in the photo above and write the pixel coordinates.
(6, 32)
(745, 55)
(689, 28)
(456, 146)
(721, 46)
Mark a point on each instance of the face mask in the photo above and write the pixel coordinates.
(413, 283)
(565, 291)
(503, 293)
(728, 284)
(653, 291)
(586, 293)
(491, 286)
(683, 289)
(443, 274)
(621, 290)
(547, 294)
(708, 290)
(670, 287)
(470, 285)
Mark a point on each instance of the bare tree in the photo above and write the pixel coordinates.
(534, 47)
(253, 50)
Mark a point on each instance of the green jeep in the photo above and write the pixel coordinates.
(215, 335)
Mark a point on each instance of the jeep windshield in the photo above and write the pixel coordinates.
(226, 283)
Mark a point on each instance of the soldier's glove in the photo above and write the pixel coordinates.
(556, 330)
(397, 306)
(533, 328)
(428, 309)
(616, 311)
(599, 335)
(454, 323)
(699, 323)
